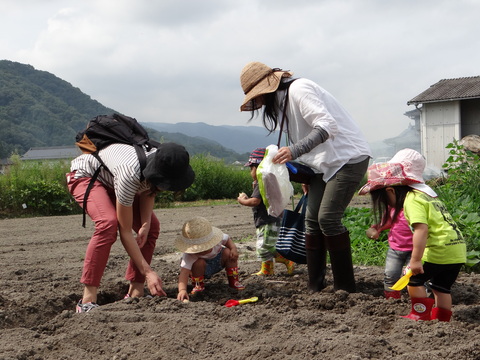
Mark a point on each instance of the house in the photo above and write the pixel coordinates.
(52, 153)
(449, 110)
(4, 164)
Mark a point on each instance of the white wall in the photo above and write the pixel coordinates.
(439, 126)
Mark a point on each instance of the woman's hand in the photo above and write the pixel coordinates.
(283, 155)
(147, 201)
(154, 284)
(142, 235)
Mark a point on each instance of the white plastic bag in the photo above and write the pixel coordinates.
(274, 183)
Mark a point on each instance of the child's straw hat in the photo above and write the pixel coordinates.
(198, 235)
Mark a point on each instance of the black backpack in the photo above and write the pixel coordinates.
(104, 130)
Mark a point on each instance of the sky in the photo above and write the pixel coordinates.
(180, 61)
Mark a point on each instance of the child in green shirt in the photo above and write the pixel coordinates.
(439, 249)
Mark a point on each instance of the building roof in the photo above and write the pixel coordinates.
(448, 90)
(54, 152)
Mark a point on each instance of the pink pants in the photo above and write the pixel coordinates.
(101, 209)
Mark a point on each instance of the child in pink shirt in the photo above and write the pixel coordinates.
(399, 251)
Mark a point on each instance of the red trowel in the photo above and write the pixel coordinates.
(232, 302)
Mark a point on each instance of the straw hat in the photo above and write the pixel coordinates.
(198, 235)
(405, 168)
(258, 79)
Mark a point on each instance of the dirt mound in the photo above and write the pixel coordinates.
(42, 260)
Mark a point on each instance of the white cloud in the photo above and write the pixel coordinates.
(176, 61)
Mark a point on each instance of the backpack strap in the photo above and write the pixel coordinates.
(87, 192)
(90, 185)
(142, 159)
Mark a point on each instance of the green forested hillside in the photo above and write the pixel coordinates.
(38, 109)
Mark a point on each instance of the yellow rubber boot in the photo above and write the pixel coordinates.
(290, 265)
(267, 268)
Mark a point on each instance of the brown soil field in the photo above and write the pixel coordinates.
(41, 265)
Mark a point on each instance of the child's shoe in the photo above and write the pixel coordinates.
(267, 269)
(441, 314)
(288, 263)
(421, 309)
(233, 282)
(198, 284)
(394, 294)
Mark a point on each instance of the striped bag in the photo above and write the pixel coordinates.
(291, 237)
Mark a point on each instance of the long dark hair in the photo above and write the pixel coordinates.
(381, 211)
(272, 107)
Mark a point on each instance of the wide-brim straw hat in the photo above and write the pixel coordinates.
(198, 235)
(258, 79)
(405, 168)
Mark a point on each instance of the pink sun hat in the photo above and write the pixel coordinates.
(405, 168)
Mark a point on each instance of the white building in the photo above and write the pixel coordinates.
(449, 110)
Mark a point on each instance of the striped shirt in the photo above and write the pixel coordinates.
(122, 161)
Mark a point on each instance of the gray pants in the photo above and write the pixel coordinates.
(394, 264)
(327, 202)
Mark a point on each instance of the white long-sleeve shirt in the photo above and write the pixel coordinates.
(309, 106)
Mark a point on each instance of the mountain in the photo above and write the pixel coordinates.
(38, 109)
(242, 139)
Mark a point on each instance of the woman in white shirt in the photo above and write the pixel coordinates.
(324, 136)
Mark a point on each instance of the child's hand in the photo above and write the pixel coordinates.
(182, 295)
(242, 196)
(416, 267)
(305, 189)
(372, 233)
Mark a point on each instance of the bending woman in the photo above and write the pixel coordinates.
(120, 200)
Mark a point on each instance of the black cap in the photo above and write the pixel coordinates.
(169, 168)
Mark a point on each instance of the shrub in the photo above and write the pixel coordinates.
(35, 188)
(460, 191)
(365, 251)
(215, 180)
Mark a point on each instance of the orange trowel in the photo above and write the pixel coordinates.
(403, 281)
